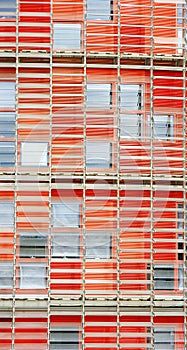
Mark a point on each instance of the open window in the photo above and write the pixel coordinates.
(131, 96)
(66, 338)
(7, 94)
(99, 96)
(98, 245)
(34, 154)
(66, 214)
(33, 246)
(163, 126)
(67, 36)
(7, 9)
(6, 275)
(7, 214)
(99, 10)
(164, 338)
(98, 154)
(66, 245)
(33, 276)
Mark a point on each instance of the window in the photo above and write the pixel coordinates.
(67, 36)
(164, 338)
(163, 126)
(6, 214)
(99, 9)
(164, 277)
(6, 275)
(66, 214)
(180, 217)
(98, 245)
(33, 276)
(7, 8)
(182, 12)
(34, 154)
(99, 96)
(7, 94)
(33, 246)
(131, 97)
(66, 245)
(98, 154)
(131, 125)
(7, 124)
(65, 338)
(7, 154)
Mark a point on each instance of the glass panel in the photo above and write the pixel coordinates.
(7, 124)
(7, 8)
(66, 214)
(34, 154)
(98, 245)
(99, 96)
(67, 36)
(131, 97)
(7, 94)
(66, 245)
(64, 339)
(163, 126)
(33, 246)
(164, 277)
(6, 275)
(32, 276)
(164, 339)
(7, 214)
(98, 154)
(7, 154)
(130, 125)
(99, 9)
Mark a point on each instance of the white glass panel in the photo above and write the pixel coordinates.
(67, 36)
(6, 275)
(66, 214)
(7, 94)
(6, 214)
(98, 154)
(99, 96)
(163, 126)
(99, 9)
(130, 125)
(131, 97)
(34, 154)
(32, 276)
(7, 8)
(66, 245)
(98, 245)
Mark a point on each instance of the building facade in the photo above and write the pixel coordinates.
(93, 175)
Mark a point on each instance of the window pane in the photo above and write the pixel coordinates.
(32, 276)
(6, 275)
(98, 245)
(7, 94)
(164, 339)
(6, 214)
(66, 245)
(7, 154)
(164, 277)
(34, 154)
(7, 124)
(131, 97)
(7, 8)
(33, 246)
(67, 36)
(64, 339)
(163, 126)
(99, 96)
(98, 154)
(66, 214)
(99, 9)
(130, 125)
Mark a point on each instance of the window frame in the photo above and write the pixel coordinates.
(37, 165)
(66, 23)
(110, 15)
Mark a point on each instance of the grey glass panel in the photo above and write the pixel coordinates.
(7, 154)
(99, 96)
(164, 277)
(6, 275)
(98, 245)
(7, 8)
(66, 214)
(99, 9)
(6, 214)
(130, 125)
(64, 339)
(98, 154)
(164, 339)
(7, 124)
(66, 245)
(33, 246)
(67, 36)
(131, 97)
